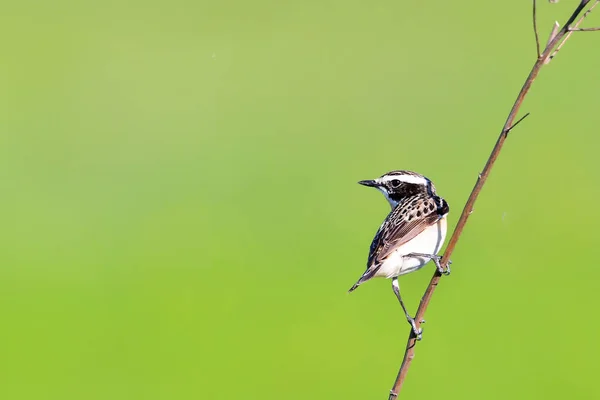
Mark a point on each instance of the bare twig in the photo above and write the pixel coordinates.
(535, 29)
(584, 29)
(553, 32)
(572, 29)
(468, 208)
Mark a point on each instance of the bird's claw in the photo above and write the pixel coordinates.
(438, 264)
(418, 332)
(436, 259)
(446, 271)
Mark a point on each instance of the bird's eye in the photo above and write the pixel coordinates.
(395, 183)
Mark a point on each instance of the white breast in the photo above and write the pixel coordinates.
(427, 242)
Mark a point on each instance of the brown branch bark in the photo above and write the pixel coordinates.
(535, 29)
(468, 208)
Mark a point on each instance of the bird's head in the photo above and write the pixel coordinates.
(396, 185)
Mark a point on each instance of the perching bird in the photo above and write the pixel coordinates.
(411, 235)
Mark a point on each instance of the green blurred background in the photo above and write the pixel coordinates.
(181, 218)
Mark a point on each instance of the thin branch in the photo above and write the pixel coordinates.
(572, 29)
(553, 32)
(584, 29)
(535, 29)
(409, 353)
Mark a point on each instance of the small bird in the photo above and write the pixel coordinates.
(411, 235)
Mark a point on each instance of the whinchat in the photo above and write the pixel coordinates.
(411, 235)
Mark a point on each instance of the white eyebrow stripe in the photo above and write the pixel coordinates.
(418, 180)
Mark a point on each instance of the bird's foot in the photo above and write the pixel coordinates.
(436, 260)
(418, 332)
(438, 265)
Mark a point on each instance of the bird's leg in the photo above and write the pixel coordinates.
(436, 260)
(417, 331)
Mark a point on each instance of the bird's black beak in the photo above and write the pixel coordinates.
(370, 183)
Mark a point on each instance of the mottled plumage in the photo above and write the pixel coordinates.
(412, 233)
(411, 216)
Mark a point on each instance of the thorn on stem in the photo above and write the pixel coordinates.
(507, 130)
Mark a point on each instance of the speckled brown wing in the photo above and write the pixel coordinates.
(412, 216)
(408, 219)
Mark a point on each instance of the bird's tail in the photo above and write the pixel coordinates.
(357, 284)
(365, 277)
